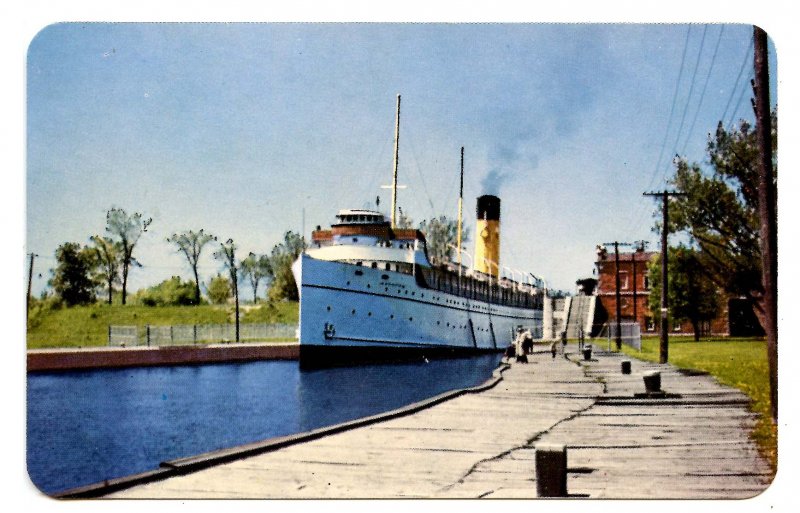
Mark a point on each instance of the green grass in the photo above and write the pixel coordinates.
(737, 362)
(87, 326)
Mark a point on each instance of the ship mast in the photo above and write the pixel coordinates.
(396, 159)
(460, 210)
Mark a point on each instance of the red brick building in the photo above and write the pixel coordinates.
(735, 317)
(634, 286)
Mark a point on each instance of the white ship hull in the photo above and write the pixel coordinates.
(352, 313)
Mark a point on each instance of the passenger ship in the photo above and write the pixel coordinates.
(369, 292)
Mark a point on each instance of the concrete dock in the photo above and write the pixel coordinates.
(115, 357)
(693, 443)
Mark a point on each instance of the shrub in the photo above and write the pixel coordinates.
(171, 292)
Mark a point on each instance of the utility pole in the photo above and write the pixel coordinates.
(767, 197)
(664, 343)
(617, 244)
(30, 282)
(639, 245)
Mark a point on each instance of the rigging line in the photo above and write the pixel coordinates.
(378, 170)
(671, 110)
(375, 162)
(747, 54)
(689, 97)
(703, 93)
(418, 168)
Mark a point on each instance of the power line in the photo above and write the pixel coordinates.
(738, 105)
(745, 60)
(703, 93)
(672, 109)
(689, 96)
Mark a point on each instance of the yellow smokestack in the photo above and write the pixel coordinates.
(487, 239)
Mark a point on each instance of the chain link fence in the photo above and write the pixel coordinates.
(630, 334)
(190, 334)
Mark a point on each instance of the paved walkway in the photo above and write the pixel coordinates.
(482, 445)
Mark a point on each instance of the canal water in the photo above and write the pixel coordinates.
(87, 426)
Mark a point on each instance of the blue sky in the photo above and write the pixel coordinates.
(240, 128)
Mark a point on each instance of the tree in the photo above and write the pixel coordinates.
(107, 259)
(191, 245)
(692, 296)
(71, 278)
(255, 268)
(171, 292)
(720, 211)
(219, 289)
(128, 228)
(280, 272)
(403, 221)
(227, 253)
(441, 235)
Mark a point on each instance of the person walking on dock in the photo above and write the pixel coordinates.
(564, 342)
(553, 349)
(580, 338)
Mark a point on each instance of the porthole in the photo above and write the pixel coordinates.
(353, 312)
(368, 286)
(384, 276)
(391, 316)
(369, 314)
(410, 318)
(329, 308)
(386, 289)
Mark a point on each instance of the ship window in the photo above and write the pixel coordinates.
(391, 316)
(329, 308)
(355, 239)
(410, 318)
(374, 265)
(353, 312)
(388, 268)
(385, 277)
(359, 273)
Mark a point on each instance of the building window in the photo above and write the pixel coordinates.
(646, 282)
(623, 280)
(649, 324)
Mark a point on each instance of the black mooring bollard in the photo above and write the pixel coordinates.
(652, 381)
(551, 470)
(587, 352)
(626, 366)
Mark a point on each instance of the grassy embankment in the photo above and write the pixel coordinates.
(737, 362)
(86, 326)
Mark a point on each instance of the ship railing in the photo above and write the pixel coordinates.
(443, 280)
